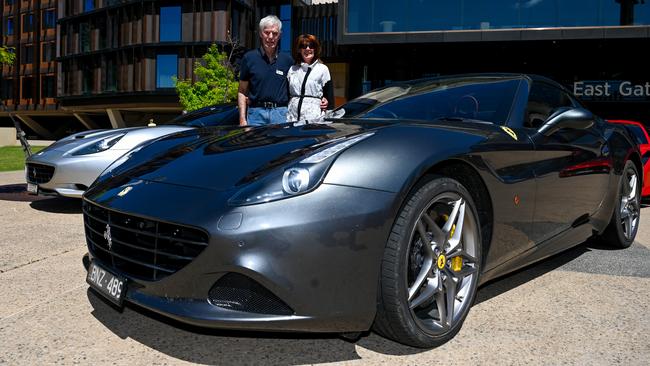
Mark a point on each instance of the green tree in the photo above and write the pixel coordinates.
(215, 83)
(6, 56)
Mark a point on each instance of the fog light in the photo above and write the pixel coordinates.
(456, 264)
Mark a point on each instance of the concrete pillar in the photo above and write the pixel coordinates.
(35, 126)
(116, 118)
(7, 136)
(87, 122)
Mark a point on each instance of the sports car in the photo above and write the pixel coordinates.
(387, 217)
(70, 165)
(640, 134)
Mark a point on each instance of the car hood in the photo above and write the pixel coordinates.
(132, 137)
(225, 158)
(79, 139)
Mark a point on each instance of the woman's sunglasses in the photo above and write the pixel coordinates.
(305, 45)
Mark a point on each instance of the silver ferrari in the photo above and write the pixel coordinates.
(69, 166)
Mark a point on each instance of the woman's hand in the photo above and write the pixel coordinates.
(324, 103)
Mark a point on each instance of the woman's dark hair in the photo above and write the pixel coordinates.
(302, 40)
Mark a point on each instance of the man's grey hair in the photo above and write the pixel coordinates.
(269, 21)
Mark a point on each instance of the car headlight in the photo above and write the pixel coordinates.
(297, 179)
(99, 146)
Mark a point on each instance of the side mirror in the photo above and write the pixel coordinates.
(575, 118)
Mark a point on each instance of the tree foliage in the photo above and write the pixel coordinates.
(6, 56)
(215, 83)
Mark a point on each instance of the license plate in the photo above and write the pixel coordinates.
(32, 188)
(112, 286)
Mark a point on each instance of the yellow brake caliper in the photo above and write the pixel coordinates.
(456, 262)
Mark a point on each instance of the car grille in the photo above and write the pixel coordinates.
(138, 247)
(39, 174)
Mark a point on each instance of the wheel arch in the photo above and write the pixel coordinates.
(470, 178)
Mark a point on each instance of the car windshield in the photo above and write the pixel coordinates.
(485, 99)
(218, 115)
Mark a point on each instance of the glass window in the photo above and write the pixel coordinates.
(235, 23)
(100, 24)
(111, 75)
(48, 86)
(285, 17)
(89, 5)
(7, 88)
(170, 23)
(483, 99)
(28, 84)
(27, 54)
(84, 37)
(87, 80)
(416, 15)
(9, 29)
(216, 115)
(543, 99)
(49, 19)
(28, 22)
(166, 70)
(49, 52)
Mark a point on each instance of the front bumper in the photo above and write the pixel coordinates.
(320, 253)
(72, 174)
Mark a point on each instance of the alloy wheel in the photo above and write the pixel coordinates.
(442, 263)
(629, 214)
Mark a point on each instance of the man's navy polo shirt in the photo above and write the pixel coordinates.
(267, 79)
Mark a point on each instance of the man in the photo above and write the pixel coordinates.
(263, 88)
(263, 78)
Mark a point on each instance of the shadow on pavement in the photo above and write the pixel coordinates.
(18, 193)
(62, 205)
(592, 256)
(500, 285)
(209, 346)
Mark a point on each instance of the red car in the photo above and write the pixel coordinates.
(639, 131)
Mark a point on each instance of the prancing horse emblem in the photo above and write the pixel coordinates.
(107, 236)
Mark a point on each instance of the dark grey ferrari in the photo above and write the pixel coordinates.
(387, 216)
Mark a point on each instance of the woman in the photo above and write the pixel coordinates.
(309, 81)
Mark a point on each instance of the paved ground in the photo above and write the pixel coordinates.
(588, 306)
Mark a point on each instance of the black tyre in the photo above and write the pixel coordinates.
(622, 229)
(431, 265)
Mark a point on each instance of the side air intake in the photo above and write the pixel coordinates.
(237, 292)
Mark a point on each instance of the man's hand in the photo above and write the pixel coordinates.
(323, 103)
(242, 102)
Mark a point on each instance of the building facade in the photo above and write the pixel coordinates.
(87, 64)
(29, 88)
(118, 59)
(588, 45)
